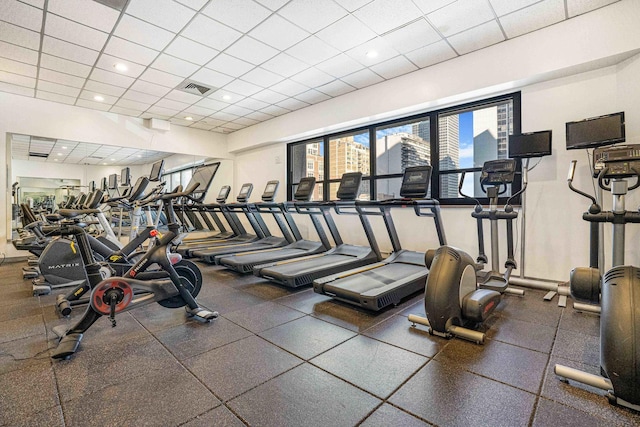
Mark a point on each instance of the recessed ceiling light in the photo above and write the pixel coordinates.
(226, 97)
(105, 164)
(99, 98)
(188, 118)
(64, 148)
(59, 154)
(372, 54)
(55, 160)
(121, 67)
(139, 155)
(113, 160)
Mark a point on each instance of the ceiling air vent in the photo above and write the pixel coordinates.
(195, 88)
(42, 155)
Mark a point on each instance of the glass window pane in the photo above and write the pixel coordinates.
(470, 138)
(308, 160)
(402, 145)
(471, 186)
(185, 177)
(349, 153)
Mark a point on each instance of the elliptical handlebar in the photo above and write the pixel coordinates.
(572, 169)
(464, 195)
(604, 172)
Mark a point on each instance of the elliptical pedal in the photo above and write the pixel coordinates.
(201, 314)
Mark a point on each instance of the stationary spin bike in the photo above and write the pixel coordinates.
(458, 293)
(619, 290)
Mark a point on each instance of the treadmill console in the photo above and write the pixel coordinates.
(223, 194)
(349, 186)
(305, 189)
(498, 172)
(245, 193)
(415, 182)
(270, 191)
(622, 161)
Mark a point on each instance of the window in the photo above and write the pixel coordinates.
(453, 140)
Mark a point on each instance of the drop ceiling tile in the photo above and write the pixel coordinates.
(394, 67)
(362, 78)
(503, 7)
(161, 78)
(432, 54)
(234, 126)
(274, 110)
(243, 88)
(55, 97)
(17, 79)
(259, 116)
(312, 15)
(211, 78)
(211, 104)
(69, 51)
(335, 88)
(89, 94)
(18, 53)
(210, 33)
(385, 15)
(379, 45)
(477, 38)
(202, 125)
(132, 105)
(220, 130)
(340, 65)
(197, 110)
(252, 104)
(92, 14)
(311, 77)
(346, 33)
(149, 115)
(61, 78)
(578, 7)
(70, 31)
(533, 18)
(104, 89)
(20, 36)
(173, 65)
(428, 6)
(352, 5)
(164, 111)
(460, 15)
(140, 86)
(411, 37)
(58, 88)
(273, 4)
(312, 96)
(242, 15)
(193, 4)
(262, 77)
(125, 111)
(130, 51)
(178, 95)
(237, 110)
(62, 65)
(278, 32)
(244, 121)
(108, 63)
(21, 14)
(289, 88)
(36, 3)
(251, 50)
(18, 68)
(93, 105)
(212, 122)
(220, 115)
(229, 65)
(191, 51)
(181, 121)
(115, 79)
(284, 65)
(172, 105)
(312, 50)
(269, 96)
(163, 13)
(135, 30)
(292, 104)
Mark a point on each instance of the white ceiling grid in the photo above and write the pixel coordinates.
(262, 58)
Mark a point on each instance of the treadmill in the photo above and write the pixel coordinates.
(230, 213)
(211, 255)
(208, 215)
(303, 271)
(404, 272)
(244, 262)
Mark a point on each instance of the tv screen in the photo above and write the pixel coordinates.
(104, 186)
(203, 175)
(271, 187)
(113, 181)
(532, 144)
(156, 171)
(596, 131)
(92, 186)
(125, 177)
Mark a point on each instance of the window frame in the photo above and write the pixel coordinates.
(433, 117)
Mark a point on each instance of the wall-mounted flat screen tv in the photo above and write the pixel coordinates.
(531, 144)
(596, 131)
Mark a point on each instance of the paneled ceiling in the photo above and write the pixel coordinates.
(253, 59)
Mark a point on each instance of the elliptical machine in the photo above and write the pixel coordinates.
(458, 293)
(618, 291)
